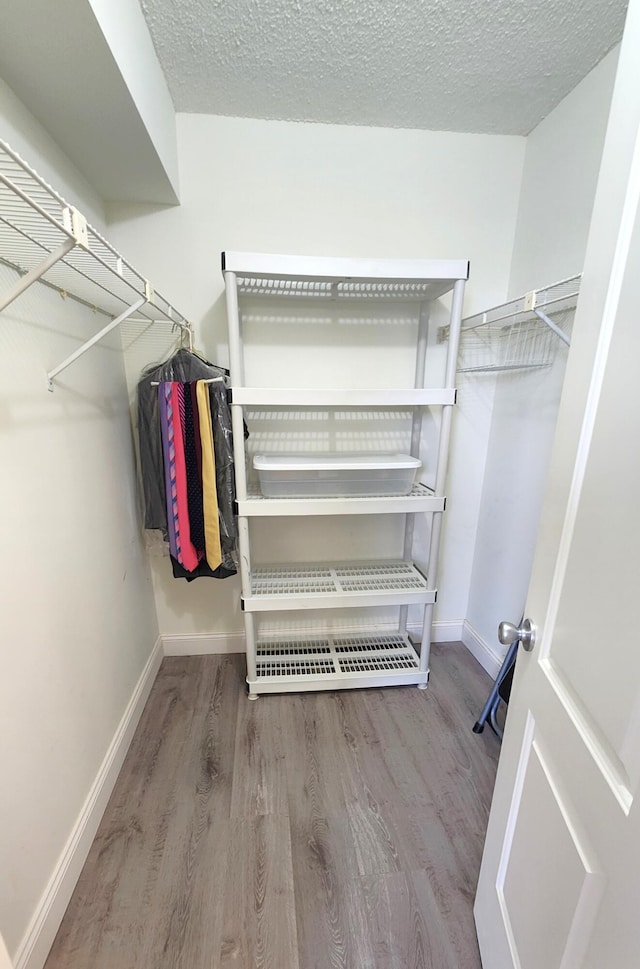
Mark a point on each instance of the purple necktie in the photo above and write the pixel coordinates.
(168, 446)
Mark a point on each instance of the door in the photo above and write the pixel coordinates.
(559, 885)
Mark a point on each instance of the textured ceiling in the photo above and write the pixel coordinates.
(476, 66)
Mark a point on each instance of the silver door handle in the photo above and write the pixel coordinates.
(526, 633)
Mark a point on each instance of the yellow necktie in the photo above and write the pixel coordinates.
(209, 490)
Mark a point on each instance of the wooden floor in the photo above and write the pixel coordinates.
(316, 831)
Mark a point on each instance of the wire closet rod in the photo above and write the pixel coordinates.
(208, 380)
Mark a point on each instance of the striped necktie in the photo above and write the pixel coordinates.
(173, 492)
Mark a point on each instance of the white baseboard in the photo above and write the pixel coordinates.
(488, 656)
(38, 939)
(205, 644)
(449, 631)
(202, 644)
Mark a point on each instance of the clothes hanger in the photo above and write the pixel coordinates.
(186, 330)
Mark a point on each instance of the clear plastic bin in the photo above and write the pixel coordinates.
(340, 475)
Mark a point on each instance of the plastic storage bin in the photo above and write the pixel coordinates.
(335, 475)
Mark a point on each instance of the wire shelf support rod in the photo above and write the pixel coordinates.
(92, 342)
(559, 332)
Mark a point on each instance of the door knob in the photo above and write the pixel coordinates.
(526, 633)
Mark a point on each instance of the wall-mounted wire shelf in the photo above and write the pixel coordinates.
(44, 237)
(522, 334)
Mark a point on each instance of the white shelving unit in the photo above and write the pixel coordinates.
(329, 662)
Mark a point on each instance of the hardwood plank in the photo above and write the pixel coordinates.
(435, 767)
(330, 907)
(402, 817)
(410, 930)
(259, 928)
(176, 777)
(331, 915)
(259, 775)
(200, 802)
(367, 785)
(316, 831)
(313, 741)
(123, 841)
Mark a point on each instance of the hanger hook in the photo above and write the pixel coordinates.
(185, 331)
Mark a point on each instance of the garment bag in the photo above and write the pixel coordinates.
(185, 366)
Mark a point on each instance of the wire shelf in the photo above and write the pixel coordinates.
(420, 499)
(318, 580)
(295, 667)
(496, 347)
(558, 296)
(284, 587)
(36, 221)
(339, 289)
(323, 278)
(311, 647)
(370, 664)
(512, 336)
(418, 490)
(358, 644)
(336, 659)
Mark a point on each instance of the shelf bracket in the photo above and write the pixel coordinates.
(552, 326)
(35, 274)
(130, 310)
(74, 224)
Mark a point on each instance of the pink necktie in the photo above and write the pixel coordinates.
(187, 554)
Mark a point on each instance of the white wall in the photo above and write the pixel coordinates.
(559, 182)
(78, 618)
(322, 189)
(5, 962)
(125, 30)
(560, 173)
(87, 70)
(26, 136)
